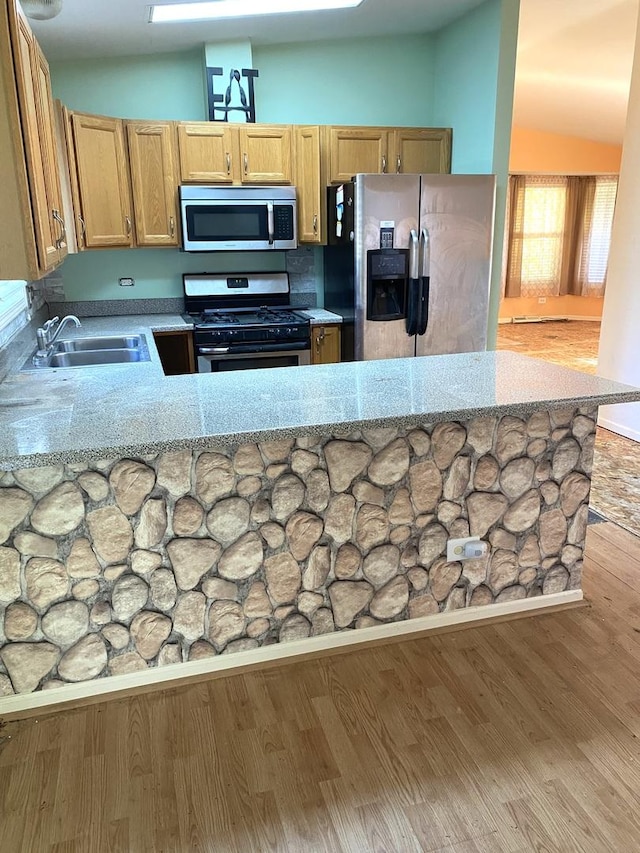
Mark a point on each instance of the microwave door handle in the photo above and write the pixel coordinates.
(413, 305)
(270, 224)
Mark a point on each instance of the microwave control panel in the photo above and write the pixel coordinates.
(283, 222)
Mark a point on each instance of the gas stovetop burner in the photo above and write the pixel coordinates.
(248, 317)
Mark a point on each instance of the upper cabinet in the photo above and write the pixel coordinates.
(104, 191)
(381, 150)
(154, 179)
(208, 152)
(310, 184)
(419, 150)
(33, 240)
(218, 153)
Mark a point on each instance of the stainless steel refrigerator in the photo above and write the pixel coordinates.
(408, 263)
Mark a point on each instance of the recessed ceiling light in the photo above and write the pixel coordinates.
(206, 11)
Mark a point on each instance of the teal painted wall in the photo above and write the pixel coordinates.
(466, 74)
(362, 81)
(157, 272)
(164, 86)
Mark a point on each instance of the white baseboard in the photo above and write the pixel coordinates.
(72, 694)
(620, 429)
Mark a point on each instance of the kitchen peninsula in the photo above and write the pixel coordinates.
(153, 528)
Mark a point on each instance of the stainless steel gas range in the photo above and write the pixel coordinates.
(245, 321)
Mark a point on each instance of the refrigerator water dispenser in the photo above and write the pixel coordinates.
(387, 276)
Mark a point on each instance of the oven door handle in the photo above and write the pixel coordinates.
(213, 350)
(270, 222)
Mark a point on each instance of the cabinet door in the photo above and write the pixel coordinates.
(265, 154)
(208, 152)
(325, 344)
(48, 145)
(421, 150)
(152, 158)
(309, 184)
(103, 180)
(46, 232)
(356, 149)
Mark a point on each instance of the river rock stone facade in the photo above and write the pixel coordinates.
(114, 566)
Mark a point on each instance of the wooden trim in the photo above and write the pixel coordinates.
(175, 675)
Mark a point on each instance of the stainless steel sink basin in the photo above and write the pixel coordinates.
(128, 342)
(100, 356)
(89, 352)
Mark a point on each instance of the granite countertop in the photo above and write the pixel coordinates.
(75, 414)
(318, 316)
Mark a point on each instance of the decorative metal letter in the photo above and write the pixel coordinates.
(235, 98)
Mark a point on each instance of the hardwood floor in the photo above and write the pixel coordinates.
(512, 737)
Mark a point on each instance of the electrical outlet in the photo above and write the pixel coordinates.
(469, 548)
(126, 282)
(542, 300)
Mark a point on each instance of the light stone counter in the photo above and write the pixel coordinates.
(320, 316)
(74, 414)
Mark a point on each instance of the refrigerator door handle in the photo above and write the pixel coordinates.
(413, 286)
(425, 269)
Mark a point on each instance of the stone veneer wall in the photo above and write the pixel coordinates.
(118, 565)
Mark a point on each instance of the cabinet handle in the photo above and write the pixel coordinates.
(319, 339)
(172, 226)
(63, 229)
(384, 164)
(315, 223)
(83, 232)
(398, 165)
(228, 163)
(128, 224)
(246, 163)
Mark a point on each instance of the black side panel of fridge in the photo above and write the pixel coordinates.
(339, 263)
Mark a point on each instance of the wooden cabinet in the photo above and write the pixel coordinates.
(32, 235)
(176, 352)
(103, 181)
(310, 183)
(215, 153)
(325, 344)
(265, 154)
(208, 152)
(154, 182)
(417, 150)
(381, 150)
(350, 150)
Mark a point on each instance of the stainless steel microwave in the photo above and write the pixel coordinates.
(224, 219)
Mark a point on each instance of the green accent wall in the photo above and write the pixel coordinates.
(161, 86)
(157, 272)
(362, 81)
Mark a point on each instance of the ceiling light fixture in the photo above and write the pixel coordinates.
(208, 11)
(41, 10)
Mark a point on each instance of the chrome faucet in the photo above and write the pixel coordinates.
(48, 334)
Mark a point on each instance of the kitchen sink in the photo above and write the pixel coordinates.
(85, 358)
(89, 352)
(126, 342)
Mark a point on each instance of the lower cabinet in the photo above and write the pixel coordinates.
(176, 351)
(325, 344)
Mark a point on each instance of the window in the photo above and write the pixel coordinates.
(559, 234)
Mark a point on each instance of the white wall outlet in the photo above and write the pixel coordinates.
(469, 548)
(542, 300)
(126, 282)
